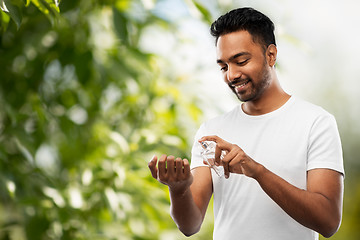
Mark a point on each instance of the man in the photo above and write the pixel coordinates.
(283, 164)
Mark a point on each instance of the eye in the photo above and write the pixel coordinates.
(223, 68)
(242, 63)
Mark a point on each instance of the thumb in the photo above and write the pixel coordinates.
(152, 166)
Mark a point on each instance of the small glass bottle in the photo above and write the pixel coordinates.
(208, 154)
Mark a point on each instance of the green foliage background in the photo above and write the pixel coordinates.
(82, 108)
(79, 118)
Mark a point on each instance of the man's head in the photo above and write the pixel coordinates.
(246, 52)
(257, 24)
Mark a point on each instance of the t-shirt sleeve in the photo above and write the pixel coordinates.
(196, 158)
(324, 149)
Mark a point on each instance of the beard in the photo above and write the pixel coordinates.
(254, 89)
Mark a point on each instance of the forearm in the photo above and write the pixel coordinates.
(190, 192)
(310, 209)
(185, 212)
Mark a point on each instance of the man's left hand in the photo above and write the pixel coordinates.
(235, 161)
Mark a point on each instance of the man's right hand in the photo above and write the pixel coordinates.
(190, 192)
(175, 173)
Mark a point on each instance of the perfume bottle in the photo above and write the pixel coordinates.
(208, 154)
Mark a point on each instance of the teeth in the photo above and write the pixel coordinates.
(241, 85)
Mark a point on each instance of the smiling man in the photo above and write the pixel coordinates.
(281, 156)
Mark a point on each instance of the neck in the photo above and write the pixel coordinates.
(272, 98)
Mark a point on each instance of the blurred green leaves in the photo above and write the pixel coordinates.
(205, 14)
(15, 10)
(13, 7)
(82, 110)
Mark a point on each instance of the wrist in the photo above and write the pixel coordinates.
(260, 172)
(177, 191)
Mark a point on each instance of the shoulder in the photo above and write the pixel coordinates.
(309, 110)
(314, 120)
(308, 106)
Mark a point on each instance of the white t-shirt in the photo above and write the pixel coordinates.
(289, 141)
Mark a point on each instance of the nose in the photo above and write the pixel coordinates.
(233, 73)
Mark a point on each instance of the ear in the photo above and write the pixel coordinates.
(271, 54)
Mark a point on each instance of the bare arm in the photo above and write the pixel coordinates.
(190, 192)
(319, 207)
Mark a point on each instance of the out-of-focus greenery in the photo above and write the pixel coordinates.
(82, 110)
(83, 107)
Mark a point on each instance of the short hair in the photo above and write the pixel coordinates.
(256, 23)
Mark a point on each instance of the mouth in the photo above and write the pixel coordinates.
(239, 85)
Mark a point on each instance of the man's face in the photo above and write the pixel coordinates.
(243, 64)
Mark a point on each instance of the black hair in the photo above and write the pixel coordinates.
(256, 23)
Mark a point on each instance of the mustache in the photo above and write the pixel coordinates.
(237, 81)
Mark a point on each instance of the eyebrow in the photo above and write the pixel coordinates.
(234, 57)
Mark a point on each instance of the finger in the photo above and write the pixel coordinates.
(224, 145)
(179, 168)
(233, 162)
(152, 166)
(218, 151)
(170, 166)
(229, 156)
(213, 138)
(186, 169)
(220, 147)
(162, 167)
(223, 153)
(225, 163)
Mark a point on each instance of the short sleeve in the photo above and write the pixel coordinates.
(324, 149)
(196, 158)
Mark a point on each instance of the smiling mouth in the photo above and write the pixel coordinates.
(238, 86)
